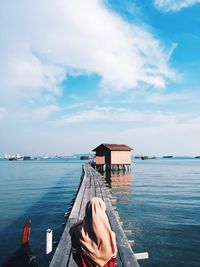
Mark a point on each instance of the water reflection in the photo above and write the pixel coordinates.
(120, 183)
(22, 257)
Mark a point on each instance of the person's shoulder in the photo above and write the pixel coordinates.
(74, 226)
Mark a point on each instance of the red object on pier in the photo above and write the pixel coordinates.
(26, 233)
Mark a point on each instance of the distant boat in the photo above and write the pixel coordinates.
(26, 158)
(147, 157)
(84, 157)
(137, 157)
(167, 156)
(144, 157)
(16, 158)
(197, 157)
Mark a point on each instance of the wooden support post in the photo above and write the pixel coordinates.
(128, 232)
(66, 215)
(142, 255)
(113, 200)
(131, 243)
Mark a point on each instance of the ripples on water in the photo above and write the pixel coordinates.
(39, 190)
(160, 202)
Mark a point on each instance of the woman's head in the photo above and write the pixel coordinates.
(94, 235)
(94, 206)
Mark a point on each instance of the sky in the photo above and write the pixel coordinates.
(75, 74)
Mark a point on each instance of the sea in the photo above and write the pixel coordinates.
(159, 201)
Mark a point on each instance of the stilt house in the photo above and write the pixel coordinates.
(113, 156)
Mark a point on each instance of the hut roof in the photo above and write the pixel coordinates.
(115, 147)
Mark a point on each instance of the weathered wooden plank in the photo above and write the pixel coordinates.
(84, 202)
(125, 252)
(142, 255)
(86, 196)
(63, 249)
(85, 199)
(98, 192)
(127, 232)
(118, 261)
(92, 186)
(98, 189)
(77, 204)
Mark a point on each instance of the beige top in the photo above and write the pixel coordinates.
(94, 234)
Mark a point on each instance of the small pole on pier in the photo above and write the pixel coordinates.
(49, 241)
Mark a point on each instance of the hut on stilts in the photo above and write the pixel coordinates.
(113, 157)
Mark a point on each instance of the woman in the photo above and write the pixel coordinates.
(93, 238)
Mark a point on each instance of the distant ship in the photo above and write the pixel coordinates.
(167, 156)
(84, 157)
(147, 157)
(26, 158)
(197, 157)
(17, 157)
(137, 157)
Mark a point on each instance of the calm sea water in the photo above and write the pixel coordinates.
(36, 190)
(159, 201)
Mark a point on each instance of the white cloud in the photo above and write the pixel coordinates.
(174, 6)
(42, 112)
(38, 114)
(175, 138)
(24, 74)
(164, 98)
(31, 73)
(74, 106)
(151, 133)
(3, 112)
(158, 98)
(122, 115)
(45, 40)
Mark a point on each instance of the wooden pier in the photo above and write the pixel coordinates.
(92, 186)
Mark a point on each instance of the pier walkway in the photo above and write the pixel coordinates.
(92, 186)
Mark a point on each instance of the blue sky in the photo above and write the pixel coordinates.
(74, 74)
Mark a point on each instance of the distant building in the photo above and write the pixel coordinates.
(113, 156)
